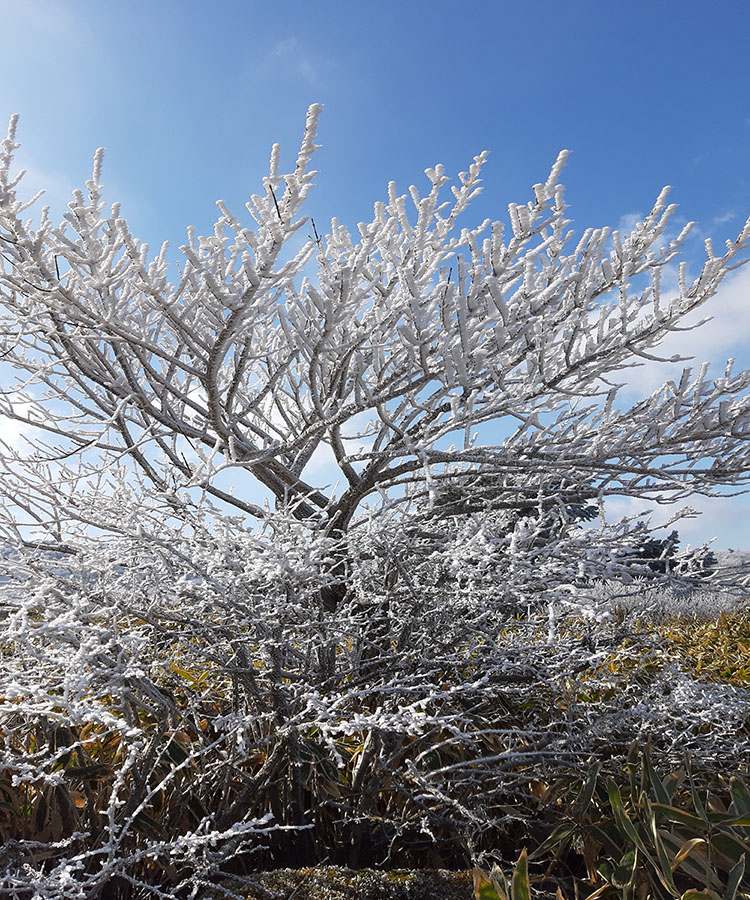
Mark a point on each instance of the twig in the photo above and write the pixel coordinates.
(276, 203)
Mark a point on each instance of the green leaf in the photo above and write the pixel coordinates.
(732, 846)
(694, 894)
(608, 838)
(520, 882)
(624, 874)
(740, 796)
(559, 836)
(584, 798)
(734, 878)
(672, 782)
(624, 825)
(183, 673)
(486, 891)
(615, 798)
(606, 869)
(672, 814)
(656, 783)
(487, 887)
(664, 870)
(632, 763)
(697, 802)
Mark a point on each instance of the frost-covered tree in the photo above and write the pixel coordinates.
(385, 349)
(293, 664)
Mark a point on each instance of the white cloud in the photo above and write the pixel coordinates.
(726, 335)
(13, 432)
(725, 518)
(298, 59)
(628, 222)
(725, 217)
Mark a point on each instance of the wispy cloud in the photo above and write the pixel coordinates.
(724, 217)
(57, 187)
(309, 66)
(288, 45)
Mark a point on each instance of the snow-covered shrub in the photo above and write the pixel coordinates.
(195, 681)
(190, 714)
(658, 602)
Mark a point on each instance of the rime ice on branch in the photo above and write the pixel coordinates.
(412, 332)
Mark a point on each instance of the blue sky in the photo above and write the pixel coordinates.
(187, 98)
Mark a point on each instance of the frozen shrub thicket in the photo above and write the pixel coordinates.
(659, 602)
